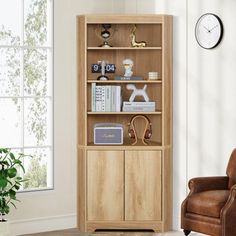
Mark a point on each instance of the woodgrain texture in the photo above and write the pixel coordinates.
(82, 75)
(150, 33)
(143, 185)
(81, 189)
(144, 61)
(167, 78)
(124, 120)
(125, 19)
(125, 186)
(105, 185)
(167, 193)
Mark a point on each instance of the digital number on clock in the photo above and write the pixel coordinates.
(109, 68)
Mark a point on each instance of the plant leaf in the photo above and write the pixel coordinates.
(3, 182)
(12, 194)
(17, 187)
(5, 150)
(13, 204)
(12, 156)
(22, 167)
(6, 209)
(12, 172)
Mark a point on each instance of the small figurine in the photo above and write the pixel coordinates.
(134, 43)
(137, 92)
(128, 64)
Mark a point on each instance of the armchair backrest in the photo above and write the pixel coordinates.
(231, 169)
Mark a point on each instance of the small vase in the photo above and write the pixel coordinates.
(5, 228)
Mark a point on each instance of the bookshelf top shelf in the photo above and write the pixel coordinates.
(125, 81)
(124, 48)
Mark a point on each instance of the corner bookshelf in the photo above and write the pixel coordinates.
(125, 186)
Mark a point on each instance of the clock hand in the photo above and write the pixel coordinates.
(213, 28)
(206, 29)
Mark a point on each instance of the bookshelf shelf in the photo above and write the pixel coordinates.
(125, 81)
(124, 48)
(124, 113)
(125, 186)
(128, 145)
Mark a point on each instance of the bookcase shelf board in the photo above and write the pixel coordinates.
(125, 81)
(123, 113)
(124, 48)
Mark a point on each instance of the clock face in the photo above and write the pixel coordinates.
(209, 31)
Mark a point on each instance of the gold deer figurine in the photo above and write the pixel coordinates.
(133, 42)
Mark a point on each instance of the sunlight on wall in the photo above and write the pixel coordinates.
(211, 93)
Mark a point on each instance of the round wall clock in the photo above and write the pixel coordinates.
(209, 31)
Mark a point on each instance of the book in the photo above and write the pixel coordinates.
(139, 106)
(125, 103)
(128, 78)
(113, 98)
(98, 98)
(108, 97)
(105, 98)
(118, 98)
(93, 97)
(139, 109)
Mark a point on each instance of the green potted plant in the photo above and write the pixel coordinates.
(10, 182)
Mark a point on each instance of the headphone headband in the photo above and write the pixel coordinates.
(147, 132)
(143, 116)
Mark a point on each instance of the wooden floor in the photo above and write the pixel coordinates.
(75, 232)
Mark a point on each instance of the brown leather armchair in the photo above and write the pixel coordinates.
(210, 207)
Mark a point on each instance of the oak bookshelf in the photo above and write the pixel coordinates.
(125, 186)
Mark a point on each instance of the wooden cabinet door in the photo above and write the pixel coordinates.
(142, 185)
(105, 181)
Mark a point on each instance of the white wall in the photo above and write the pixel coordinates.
(211, 92)
(56, 209)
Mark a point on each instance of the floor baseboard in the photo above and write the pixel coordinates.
(44, 224)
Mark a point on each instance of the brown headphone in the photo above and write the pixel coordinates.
(148, 131)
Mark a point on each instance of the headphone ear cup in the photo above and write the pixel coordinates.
(131, 133)
(148, 134)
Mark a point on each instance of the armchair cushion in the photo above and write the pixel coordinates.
(207, 203)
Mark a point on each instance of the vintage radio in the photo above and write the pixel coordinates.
(108, 133)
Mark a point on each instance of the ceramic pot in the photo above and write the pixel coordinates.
(5, 228)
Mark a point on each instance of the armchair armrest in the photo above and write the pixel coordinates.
(204, 184)
(208, 183)
(228, 214)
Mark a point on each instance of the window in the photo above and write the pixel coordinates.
(26, 94)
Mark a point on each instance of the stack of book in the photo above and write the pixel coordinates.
(153, 75)
(105, 98)
(139, 106)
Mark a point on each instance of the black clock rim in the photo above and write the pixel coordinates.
(221, 33)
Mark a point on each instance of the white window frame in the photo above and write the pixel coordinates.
(50, 73)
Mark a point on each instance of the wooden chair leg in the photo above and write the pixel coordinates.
(186, 232)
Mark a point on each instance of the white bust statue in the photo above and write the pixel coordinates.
(128, 64)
